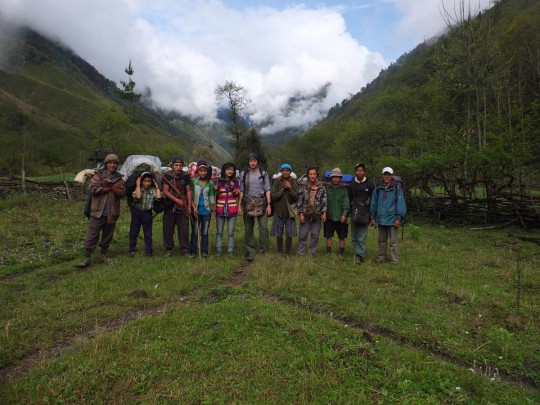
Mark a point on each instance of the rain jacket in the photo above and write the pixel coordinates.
(388, 203)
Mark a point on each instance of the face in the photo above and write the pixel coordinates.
(360, 172)
(312, 175)
(229, 171)
(335, 180)
(286, 173)
(253, 163)
(111, 166)
(203, 171)
(177, 167)
(386, 178)
(147, 182)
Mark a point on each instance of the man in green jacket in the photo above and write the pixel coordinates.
(338, 211)
(284, 196)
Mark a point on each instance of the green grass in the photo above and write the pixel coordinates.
(443, 326)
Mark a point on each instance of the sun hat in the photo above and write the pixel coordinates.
(336, 173)
(387, 170)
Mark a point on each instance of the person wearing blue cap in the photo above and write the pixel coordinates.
(284, 196)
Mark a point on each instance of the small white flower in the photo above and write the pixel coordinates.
(458, 388)
(466, 332)
(500, 357)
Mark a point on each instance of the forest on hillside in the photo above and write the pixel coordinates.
(461, 113)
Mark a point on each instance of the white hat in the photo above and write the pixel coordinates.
(387, 170)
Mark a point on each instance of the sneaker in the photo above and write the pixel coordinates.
(187, 255)
(358, 259)
(193, 255)
(106, 259)
(168, 253)
(84, 264)
(132, 254)
(204, 254)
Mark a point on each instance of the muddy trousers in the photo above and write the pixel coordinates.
(95, 227)
(386, 232)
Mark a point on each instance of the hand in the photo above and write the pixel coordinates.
(343, 219)
(138, 181)
(372, 222)
(240, 210)
(397, 223)
(179, 202)
(231, 185)
(268, 210)
(213, 215)
(286, 184)
(323, 217)
(302, 218)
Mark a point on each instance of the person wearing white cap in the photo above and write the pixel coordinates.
(388, 209)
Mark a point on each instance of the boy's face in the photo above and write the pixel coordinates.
(229, 171)
(147, 182)
(386, 178)
(335, 180)
(360, 172)
(177, 167)
(312, 175)
(286, 173)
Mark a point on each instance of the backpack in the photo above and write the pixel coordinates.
(263, 175)
(400, 184)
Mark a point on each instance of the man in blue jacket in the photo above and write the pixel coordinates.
(388, 209)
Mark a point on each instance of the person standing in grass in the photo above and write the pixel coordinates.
(312, 206)
(106, 187)
(360, 192)
(255, 200)
(387, 210)
(145, 194)
(338, 210)
(177, 190)
(204, 206)
(284, 195)
(227, 208)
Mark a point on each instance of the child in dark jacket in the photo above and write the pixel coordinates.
(145, 194)
(227, 209)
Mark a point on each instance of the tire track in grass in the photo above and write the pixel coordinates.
(12, 371)
(379, 331)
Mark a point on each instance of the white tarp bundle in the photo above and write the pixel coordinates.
(134, 163)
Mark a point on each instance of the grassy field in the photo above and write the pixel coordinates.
(457, 321)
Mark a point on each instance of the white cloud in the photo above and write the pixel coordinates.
(424, 19)
(183, 49)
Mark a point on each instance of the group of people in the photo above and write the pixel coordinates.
(199, 199)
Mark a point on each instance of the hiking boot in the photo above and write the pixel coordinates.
(106, 259)
(359, 259)
(84, 264)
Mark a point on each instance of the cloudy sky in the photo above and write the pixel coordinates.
(183, 49)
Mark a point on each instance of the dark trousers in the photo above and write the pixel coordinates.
(95, 227)
(141, 219)
(180, 220)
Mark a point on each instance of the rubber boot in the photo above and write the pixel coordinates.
(288, 244)
(280, 244)
(85, 263)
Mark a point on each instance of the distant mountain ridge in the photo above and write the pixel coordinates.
(56, 109)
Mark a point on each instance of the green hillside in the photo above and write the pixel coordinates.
(56, 110)
(461, 112)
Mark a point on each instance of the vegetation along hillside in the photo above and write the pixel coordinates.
(462, 112)
(56, 110)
